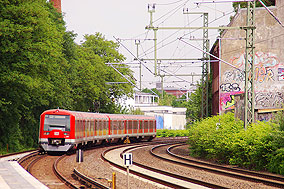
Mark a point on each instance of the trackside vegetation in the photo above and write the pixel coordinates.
(223, 139)
(171, 133)
(41, 67)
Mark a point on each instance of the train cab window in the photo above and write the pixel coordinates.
(60, 122)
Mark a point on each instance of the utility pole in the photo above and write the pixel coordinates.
(205, 69)
(249, 62)
(205, 66)
(137, 43)
(249, 65)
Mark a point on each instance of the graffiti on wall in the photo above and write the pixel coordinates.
(268, 70)
(281, 74)
(227, 100)
(230, 87)
(265, 66)
(264, 116)
(269, 99)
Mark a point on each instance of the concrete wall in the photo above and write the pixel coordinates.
(174, 118)
(269, 60)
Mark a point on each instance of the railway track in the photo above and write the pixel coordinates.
(267, 179)
(163, 177)
(31, 161)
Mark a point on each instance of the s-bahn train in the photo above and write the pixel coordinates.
(63, 130)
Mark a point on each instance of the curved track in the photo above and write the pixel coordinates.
(267, 179)
(50, 174)
(156, 175)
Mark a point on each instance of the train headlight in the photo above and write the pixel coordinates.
(46, 133)
(66, 134)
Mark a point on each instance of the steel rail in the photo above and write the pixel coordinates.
(31, 164)
(88, 181)
(278, 181)
(26, 157)
(60, 176)
(242, 171)
(149, 177)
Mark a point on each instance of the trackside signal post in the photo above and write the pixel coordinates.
(127, 161)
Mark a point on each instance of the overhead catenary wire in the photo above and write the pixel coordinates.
(146, 51)
(211, 55)
(271, 13)
(169, 3)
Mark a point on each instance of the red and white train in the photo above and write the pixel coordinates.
(62, 130)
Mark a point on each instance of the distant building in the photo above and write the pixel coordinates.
(171, 90)
(176, 92)
(167, 117)
(173, 118)
(139, 99)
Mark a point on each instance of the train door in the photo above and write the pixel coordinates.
(87, 132)
(114, 127)
(105, 127)
(95, 127)
(141, 126)
(125, 123)
(119, 127)
(98, 127)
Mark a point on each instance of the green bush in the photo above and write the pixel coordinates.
(251, 146)
(171, 133)
(276, 161)
(212, 137)
(224, 139)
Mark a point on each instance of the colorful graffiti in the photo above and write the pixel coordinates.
(227, 100)
(280, 74)
(265, 65)
(269, 71)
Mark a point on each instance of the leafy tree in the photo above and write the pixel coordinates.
(136, 112)
(31, 68)
(93, 74)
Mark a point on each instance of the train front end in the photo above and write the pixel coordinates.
(55, 132)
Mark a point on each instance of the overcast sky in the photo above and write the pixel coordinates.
(126, 19)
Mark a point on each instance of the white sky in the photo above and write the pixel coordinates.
(126, 19)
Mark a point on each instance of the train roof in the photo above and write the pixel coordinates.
(97, 115)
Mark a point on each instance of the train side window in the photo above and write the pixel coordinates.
(151, 125)
(130, 124)
(135, 124)
(114, 125)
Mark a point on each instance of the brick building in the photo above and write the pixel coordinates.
(228, 82)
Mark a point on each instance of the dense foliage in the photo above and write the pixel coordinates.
(222, 138)
(171, 133)
(41, 67)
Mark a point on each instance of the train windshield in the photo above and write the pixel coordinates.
(60, 122)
